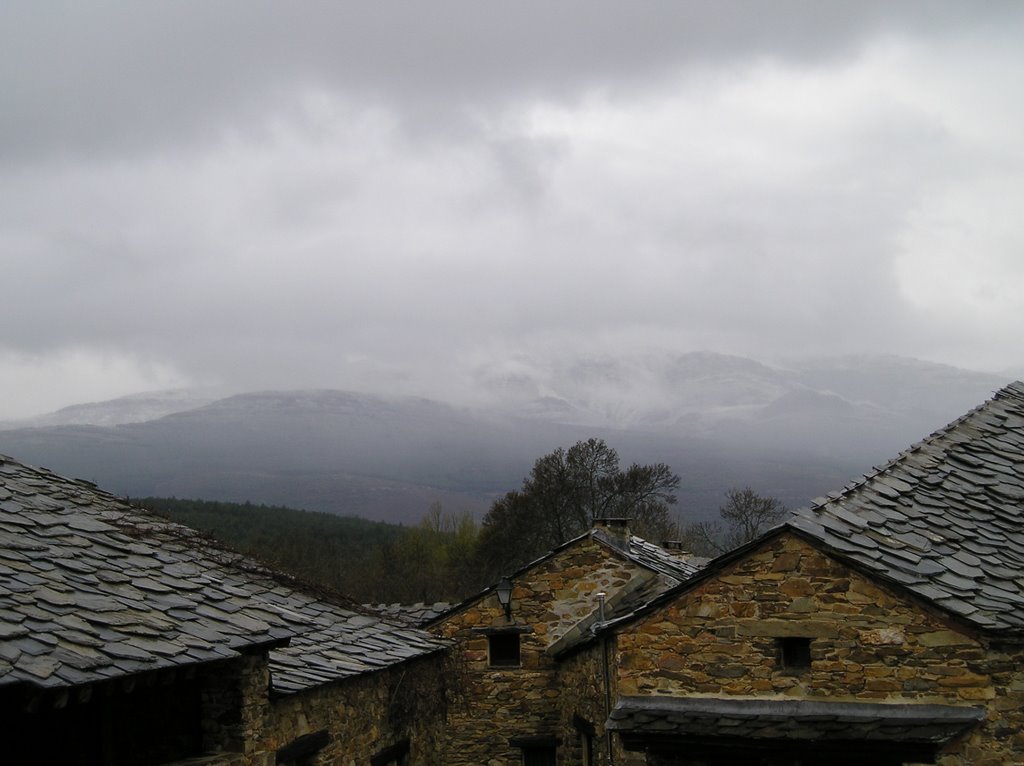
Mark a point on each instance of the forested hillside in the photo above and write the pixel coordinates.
(447, 557)
(369, 561)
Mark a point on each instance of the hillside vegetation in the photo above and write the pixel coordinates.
(447, 557)
(369, 561)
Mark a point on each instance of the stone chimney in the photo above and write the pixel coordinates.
(614, 530)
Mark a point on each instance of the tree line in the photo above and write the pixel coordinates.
(448, 556)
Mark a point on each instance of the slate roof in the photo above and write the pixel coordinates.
(92, 589)
(624, 602)
(945, 519)
(410, 614)
(820, 722)
(680, 566)
(675, 568)
(343, 643)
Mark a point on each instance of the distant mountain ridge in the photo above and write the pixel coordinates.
(135, 408)
(700, 390)
(792, 428)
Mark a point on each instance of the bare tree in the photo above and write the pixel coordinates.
(563, 495)
(745, 516)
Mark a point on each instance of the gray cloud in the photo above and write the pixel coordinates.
(386, 194)
(108, 77)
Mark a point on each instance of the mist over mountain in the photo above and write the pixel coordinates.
(136, 408)
(793, 429)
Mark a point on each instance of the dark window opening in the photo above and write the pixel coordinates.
(303, 750)
(794, 653)
(587, 749)
(503, 649)
(148, 725)
(538, 749)
(586, 732)
(539, 756)
(391, 756)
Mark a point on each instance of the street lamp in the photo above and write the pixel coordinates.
(504, 591)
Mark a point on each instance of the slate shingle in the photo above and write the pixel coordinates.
(94, 589)
(812, 721)
(679, 566)
(957, 500)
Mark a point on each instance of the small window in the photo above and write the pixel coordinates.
(538, 750)
(503, 649)
(794, 653)
(587, 749)
(539, 756)
(304, 750)
(391, 756)
(586, 732)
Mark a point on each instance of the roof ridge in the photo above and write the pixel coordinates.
(464, 603)
(1014, 389)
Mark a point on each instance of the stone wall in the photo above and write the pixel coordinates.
(868, 643)
(498, 704)
(367, 714)
(350, 721)
(584, 699)
(235, 706)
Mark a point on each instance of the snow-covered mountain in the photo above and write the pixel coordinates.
(136, 408)
(790, 428)
(701, 390)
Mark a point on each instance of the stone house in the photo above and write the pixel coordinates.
(508, 703)
(884, 623)
(127, 640)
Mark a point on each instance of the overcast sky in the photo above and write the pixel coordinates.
(391, 195)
